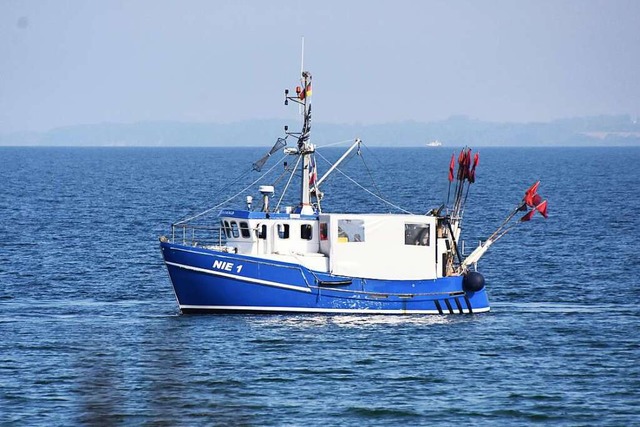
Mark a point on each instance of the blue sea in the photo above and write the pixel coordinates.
(91, 333)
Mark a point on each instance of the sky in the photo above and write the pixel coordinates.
(65, 63)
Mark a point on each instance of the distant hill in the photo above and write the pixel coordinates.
(455, 131)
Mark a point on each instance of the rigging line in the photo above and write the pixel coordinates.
(345, 160)
(232, 197)
(371, 175)
(366, 147)
(334, 143)
(286, 170)
(372, 153)
(242, 175)
(286, 187)
(368, 191)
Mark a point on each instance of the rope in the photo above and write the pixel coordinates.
(286, 187)
(232, 197)
(379, 197)
(371, 153)
(371, 176)
(335, 143)
(363, 161)
(286, 170)
(241, 176)
(367, 190)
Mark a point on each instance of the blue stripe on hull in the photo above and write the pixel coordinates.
(241, 283)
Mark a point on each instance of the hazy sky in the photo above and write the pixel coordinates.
(74, 62)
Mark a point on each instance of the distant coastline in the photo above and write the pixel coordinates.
(458, 131)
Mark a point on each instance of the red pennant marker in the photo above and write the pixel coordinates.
(528, 195)
(534, 188)
(472, 174)
(452, 166)
(542, 208)
(461, 168)
(528, 216)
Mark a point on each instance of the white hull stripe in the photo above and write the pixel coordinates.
(316, 310)
(221, 254)
(241, 278)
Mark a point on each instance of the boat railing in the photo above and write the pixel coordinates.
(197, 235)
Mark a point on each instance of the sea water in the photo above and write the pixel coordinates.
(91, 333)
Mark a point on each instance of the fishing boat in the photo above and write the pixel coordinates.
(261, 258)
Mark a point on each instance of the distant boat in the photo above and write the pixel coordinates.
(307, 260)
(434, 143)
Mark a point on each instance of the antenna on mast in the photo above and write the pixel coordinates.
(301, 71)
(302, 57)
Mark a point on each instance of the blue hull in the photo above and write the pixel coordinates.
(207, 280)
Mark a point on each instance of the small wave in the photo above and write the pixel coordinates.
(390, 320)
(524, 415)
(354, 320)
(366, 412)
(565, 308)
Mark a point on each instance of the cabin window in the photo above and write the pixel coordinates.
(306, 231)
(417, 234)
(324, 235)
(262, 232)
(227, 229)
(283, 231)
(234, 229)
(244, 230)
(350, 230)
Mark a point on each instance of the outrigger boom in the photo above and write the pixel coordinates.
(531, 203)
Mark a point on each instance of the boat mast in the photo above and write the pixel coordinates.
(305, 148)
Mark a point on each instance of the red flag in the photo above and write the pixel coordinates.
(461, 168)
(528, 216)
(533, 189)
(313, 172)
(536, 200)
(542, 208)
(464, 164)
(472, 174)
(452, 166)
(528, 195)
